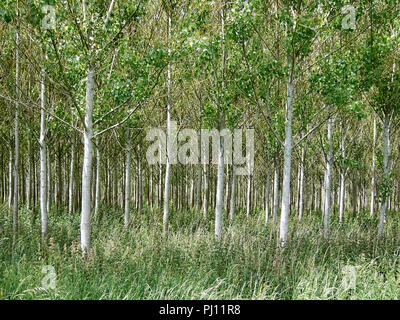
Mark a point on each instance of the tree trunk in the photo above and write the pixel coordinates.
(98, 163)
(226, 190)
(386, 152)
(43, 161)
(28, 176)
(248, 199)
(127, 179)
(328, 179)
(71, 179)
(301, 186)
(267, 187)
(206, 192)
(87, 163)
(167, 166)
(220, 175)
(372, 205)
(10, 180)
(49, 182)
(198, 186)
(276, 194)
(233, 192)
(140, 183)
(342, 181)
(220, 188)
(287, 165)
(16, 141)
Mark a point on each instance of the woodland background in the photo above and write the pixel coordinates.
(82, 81)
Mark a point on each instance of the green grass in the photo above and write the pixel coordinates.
(140, 264)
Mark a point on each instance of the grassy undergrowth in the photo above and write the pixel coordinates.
(138, 263)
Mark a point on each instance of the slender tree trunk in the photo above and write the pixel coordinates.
(239, 194)
(199, 169)
(140, 183)
(160, 197)
(226, 189)
(115, 186)
(342, 181)
(151, 188)
(328, 179)
(191, 191)
(198, 186)
(71, 179)
(301, 186)
(267, 187)
(167, 166)
(221, 151)
(59, 177)
(10, 180)
(43, 160)
(87, 163)
(233, 192)
(354, 194)
(248, 199)
(16, 141)
(206, 192)
(298, 189)
(98, 164)
(28, 176)
(284, 223)
(276, 194)
(127, 178)
(372, 205)
(220, 189)
(49, 181)
(386, 152)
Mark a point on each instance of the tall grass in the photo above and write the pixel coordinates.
(139, 263)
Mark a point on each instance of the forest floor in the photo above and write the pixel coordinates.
(139, 263)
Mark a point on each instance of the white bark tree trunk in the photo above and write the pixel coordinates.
(220, 190)
(159, 181)
(140, 182)
(301, 186)
(71, 179)
(49, 183)
(168, 164)
(28, 176)
(43, 160)
(16, 141)
(342, 182)
(205, 196)
(10, 180)
(386, 152)
(233, 192)
(276, 194)
(127, 179)
(221, 151)
(327, 208)
(191, 192)
(87, 163)
(248, 203)
(372, 204)
(98, 163)
(284, 223)
(198, 187)
(226, 189)
(267, 187)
